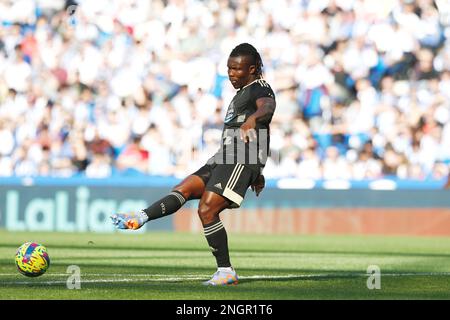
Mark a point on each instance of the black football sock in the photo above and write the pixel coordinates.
(216, 236)
(165, 206)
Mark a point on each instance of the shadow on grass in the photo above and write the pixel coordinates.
(255, 283)
(243, 250)
(346, 286)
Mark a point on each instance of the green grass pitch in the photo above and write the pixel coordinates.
(164, 265)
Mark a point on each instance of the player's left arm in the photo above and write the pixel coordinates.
(258, 185)
(265, 107)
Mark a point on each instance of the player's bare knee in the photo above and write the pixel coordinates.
(206, 214)
(183, 190)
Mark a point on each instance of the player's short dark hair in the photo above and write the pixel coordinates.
(246, 49)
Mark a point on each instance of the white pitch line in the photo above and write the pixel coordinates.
(178, 278)
(165, 278)
(101, 281)
(107, 275)
(162, 275)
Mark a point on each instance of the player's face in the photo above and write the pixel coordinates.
(240, 71)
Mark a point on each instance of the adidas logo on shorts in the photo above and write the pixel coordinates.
(218, 186)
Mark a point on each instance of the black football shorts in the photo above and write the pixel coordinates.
(229, 180)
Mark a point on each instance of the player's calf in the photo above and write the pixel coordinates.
(163, 207)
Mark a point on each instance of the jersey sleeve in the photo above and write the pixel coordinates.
(262, 90)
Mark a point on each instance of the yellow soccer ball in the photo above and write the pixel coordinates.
(32, 259)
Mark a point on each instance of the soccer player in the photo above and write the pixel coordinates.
(223, 181)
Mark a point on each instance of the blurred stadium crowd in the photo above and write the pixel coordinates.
(140, 86)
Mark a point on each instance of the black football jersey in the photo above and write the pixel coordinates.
(233, 150)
